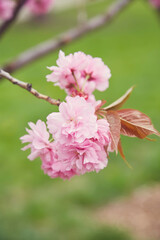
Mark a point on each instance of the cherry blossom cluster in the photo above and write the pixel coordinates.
(80, 74)
(77, 140)
(80, 140)
(79, 137)
(35, 6)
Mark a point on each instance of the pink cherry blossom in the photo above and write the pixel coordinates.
(155, 3)
(80, 74)
(75, 159)
(38, 139)
(76, 120)
(6, 9)
(103, 132)
(58, 165)
(91, 99)
(64, 160)
(39, 6)
(80, 140)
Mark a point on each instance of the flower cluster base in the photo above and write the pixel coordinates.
(80, 140)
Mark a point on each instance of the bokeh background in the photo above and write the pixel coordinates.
(35, 207)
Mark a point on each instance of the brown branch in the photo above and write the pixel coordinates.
(28, 87)
(51, 45)
(4, 27)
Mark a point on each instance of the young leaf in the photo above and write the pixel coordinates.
(120, 149)
(115, 127)
(136, 124)
(119, 102)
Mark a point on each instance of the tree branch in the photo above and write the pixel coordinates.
(51, 45)
(4, 27)
(28, 87)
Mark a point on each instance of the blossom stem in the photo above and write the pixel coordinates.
(77, 85)
(28, 87)
(86, 79)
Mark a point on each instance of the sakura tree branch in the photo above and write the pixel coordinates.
(4, 27)
(28, 87)
(51, 45)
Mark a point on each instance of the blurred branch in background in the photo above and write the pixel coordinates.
(5, 26)
(51, 45)
(28, 87)
(82, 12)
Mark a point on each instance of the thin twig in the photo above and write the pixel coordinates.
(4, 27)
(28, 87)
(51, 45)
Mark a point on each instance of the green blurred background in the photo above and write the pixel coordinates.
(33, 206)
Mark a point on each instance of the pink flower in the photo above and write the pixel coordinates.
(39, 6)
(80, 140)
(37, 138)
(103, 132)
(155, 3)
(76, 120)
(80, 74)
(76, 160)
(91, 99)
(6, 9)
(57, 166)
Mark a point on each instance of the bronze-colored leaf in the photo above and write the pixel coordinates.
(120, 149)
(119, 102)
(136, 124)
(115, 127)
